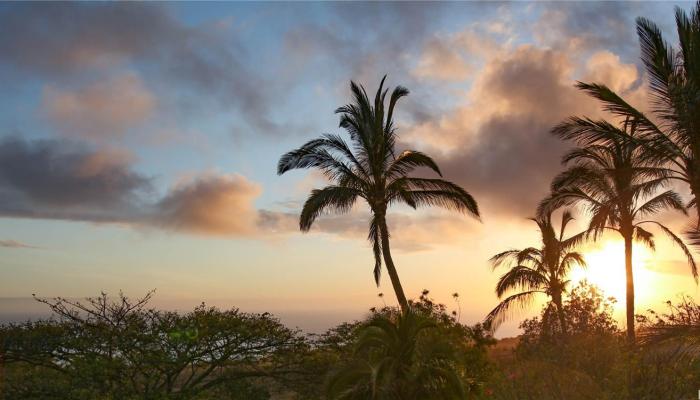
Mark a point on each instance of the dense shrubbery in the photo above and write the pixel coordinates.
(594, 361)
(123, 350)
(105, 349)
(423, 353)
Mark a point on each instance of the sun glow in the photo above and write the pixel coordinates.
(606, 269)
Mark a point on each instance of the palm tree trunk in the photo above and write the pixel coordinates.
(695, 192)
(560, 312)
(389, 262)
(630, 288)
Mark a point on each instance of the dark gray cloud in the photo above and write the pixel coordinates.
(511, 166)
(508, 158)
(61, 179)
(607, 25)
(58, 179)
(65, 39)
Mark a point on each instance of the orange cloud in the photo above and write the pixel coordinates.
(606, 67)
(456, 57)
(101, 109)
(220, 205)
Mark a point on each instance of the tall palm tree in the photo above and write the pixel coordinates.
(618, 188)
(533, 271)
(370, 169)
(394, 363)
(672, 136)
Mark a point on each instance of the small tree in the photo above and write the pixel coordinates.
(104, 348)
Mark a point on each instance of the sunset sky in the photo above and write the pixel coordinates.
(139, 142)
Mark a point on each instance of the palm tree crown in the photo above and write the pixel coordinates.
(368, 168)
(617, 186)
(534, 271)
(394, 363)
(672, 137)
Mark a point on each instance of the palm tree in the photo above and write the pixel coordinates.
(371, 170)
(394, 363)
(674, 86)
(534, 271)
(618, 188)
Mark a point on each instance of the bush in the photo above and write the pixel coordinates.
(423, 353)
(105, 349)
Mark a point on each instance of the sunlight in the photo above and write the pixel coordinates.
(606, 269)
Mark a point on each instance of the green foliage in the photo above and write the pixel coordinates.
(594, 361)
(668, 362)
(592, 333)
(581, 365)
(121, 349)
(421, 353)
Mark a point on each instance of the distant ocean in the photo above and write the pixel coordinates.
(21, 309)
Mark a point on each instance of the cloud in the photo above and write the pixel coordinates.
(381, 39)
(59, 40)
(60, 179)
(101, 109)
(211, 204)
(581, 27)
(496, 144)
(69, 43)
(456, 57)
(410, 232)
(15, 244)
(65, 180)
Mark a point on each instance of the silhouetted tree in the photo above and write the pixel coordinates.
(672, 137)
(395, 364)
(533, 271)
(369, 168)
(441, 343)
(119, 348)
(619, 189)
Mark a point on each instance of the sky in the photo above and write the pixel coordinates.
(139, 143)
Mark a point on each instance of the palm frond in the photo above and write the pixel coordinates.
(586, 131)
(643, 236)
(398, 93)
(614, 104)
(680, 243)
(658, 58)
(452, 197)
(521, 278)
(502, 311)
(570, 259)
(336, 198)
(666, 200)
(408, 161)
(503, 258)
